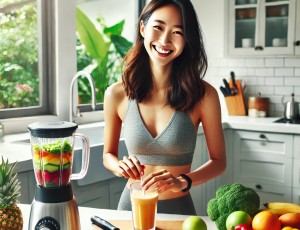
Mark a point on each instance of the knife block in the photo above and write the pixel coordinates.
(235, 104)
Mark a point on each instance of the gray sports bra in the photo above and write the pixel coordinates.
(174, 146)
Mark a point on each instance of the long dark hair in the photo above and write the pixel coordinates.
(188, 69)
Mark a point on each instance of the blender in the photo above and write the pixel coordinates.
(52, 144)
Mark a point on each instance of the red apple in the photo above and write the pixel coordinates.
(243, 227)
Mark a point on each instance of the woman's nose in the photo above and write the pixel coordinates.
(165, 38)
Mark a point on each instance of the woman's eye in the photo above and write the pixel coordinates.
(157, 27)
(178, 32)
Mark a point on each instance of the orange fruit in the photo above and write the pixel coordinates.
(266, 220)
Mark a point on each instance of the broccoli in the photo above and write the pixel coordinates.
(230, 198)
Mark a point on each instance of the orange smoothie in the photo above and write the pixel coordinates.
(144, 207)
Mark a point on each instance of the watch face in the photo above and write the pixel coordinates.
(47, 223)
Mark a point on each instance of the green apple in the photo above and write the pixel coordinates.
(194, 223)
(236, 218)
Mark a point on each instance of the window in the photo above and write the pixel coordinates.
(50, 39)
(23, 68)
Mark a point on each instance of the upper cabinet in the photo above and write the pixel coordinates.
(263, 27)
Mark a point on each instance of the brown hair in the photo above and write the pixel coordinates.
(187, 86)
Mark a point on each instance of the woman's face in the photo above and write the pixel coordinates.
(163, 35)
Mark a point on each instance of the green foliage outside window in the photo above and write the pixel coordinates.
(99, 51)
(19, 80)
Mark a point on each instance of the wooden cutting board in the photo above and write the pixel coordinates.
(160, 224)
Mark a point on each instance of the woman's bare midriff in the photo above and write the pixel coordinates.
(175, 170)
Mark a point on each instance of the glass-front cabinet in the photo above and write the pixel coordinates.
(262, 27)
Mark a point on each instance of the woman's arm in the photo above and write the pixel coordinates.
(114, 111)
(210, 116)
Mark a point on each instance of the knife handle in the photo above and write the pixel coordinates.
(103, 223)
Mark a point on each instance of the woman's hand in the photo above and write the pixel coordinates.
(163, 180)
(130, 167)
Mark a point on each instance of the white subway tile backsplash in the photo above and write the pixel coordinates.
(274, 81)
(292, 81)
(256, 62)
(283, 90)
(274, 62)
(292, 62)
(264, 72)
(284, 72)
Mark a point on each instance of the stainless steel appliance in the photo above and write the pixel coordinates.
(54, 206)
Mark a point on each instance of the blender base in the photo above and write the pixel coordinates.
(54, 216)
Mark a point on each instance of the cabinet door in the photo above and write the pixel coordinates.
(27, 186)
(93, 195)
(297, 39)
(263, 158)
(271, 193)
(296, 196)
(260, 27)
(201, 194)
(296, 163)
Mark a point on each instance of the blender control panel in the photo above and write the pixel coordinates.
(47, 223)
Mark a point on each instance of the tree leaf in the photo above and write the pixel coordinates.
(122, 44)
(90, 36)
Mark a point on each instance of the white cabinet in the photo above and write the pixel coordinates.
(263, 161)
(296, 170)
(262, 27)
(28, 183)
(104, 194)
(297, 40)
(201, 194)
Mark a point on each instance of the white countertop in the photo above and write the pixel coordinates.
(108, 214)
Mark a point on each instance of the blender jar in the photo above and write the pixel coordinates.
(52, 145)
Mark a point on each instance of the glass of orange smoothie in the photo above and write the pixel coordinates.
(144, 206)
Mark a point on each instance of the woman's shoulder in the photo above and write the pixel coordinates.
(116, 91)
(210, 97)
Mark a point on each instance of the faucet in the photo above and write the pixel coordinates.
(74, 110)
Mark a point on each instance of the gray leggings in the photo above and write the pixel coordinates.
(182, 205)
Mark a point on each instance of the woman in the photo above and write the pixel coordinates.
(161, 101)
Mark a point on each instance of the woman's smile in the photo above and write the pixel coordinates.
(161, 50)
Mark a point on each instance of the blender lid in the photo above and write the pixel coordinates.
(52, 129)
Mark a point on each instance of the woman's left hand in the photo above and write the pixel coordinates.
(162, 180)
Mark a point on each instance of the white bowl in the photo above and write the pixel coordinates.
(279, 42)
(247, 42)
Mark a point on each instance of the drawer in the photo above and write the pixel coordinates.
(271, 193)
(296, 174)
(297, 146)
(263, 145)
(264, 158)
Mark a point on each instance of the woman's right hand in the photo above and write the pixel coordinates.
(130, 167)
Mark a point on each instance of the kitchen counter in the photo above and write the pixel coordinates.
(110, 215)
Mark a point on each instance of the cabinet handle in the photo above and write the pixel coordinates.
(262, 136)
(259, 48)
(297, 43)
(258, 186)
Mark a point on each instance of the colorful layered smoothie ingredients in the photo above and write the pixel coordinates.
(52, 163)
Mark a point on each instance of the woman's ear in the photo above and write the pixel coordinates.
(142, 28)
